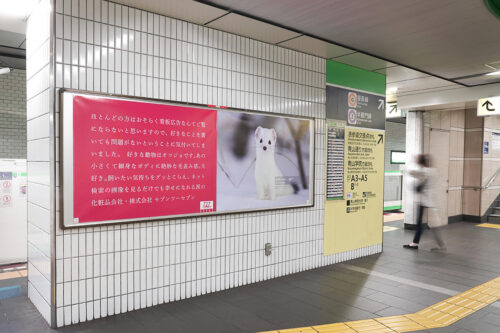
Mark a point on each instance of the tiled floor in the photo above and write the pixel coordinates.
(13, 274)
(393, 216)
(393, 283)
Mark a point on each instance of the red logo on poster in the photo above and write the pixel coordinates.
(136, 160)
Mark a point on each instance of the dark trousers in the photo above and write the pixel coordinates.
(418, 232)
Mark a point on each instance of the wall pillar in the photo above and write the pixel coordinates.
(41, 160)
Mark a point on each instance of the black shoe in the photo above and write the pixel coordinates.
(412, 247)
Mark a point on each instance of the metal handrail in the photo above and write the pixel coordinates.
(492, 179)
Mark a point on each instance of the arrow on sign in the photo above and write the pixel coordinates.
(488, 104)
(380, 138)
(381, 104)
(394, 108)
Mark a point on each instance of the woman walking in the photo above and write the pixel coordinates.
(425, 185)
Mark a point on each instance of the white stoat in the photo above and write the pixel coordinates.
(266, 171)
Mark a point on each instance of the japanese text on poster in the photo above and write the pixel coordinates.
(363, 151)
(149, 159)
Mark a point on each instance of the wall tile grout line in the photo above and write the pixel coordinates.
(104, 270)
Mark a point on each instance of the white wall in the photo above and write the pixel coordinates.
(40, 156)
(101, 271)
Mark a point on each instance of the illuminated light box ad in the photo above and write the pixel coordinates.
(127, 159)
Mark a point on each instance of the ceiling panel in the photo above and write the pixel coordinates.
(447, 38)
(316, 47)
(421, 84)
(251, 28)
(449, 106)
(363, 61)
(400, 73)
(186, 10)
(14, 24)
(12, 62)
(11, 39)
(483, 79)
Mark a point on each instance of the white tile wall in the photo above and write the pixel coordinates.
(39, 158)
(105, 47)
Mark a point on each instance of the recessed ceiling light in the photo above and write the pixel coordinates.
(392, 90)
(5, 70)
(494, 73)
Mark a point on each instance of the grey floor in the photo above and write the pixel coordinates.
(395, 282)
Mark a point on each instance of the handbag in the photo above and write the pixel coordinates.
(420, 187)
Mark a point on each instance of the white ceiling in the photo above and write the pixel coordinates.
(244, 26)
(186, 10)
(12, 41)
(315, 46)
(445, 38)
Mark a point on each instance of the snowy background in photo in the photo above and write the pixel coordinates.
(236, 188)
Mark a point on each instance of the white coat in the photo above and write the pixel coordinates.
(427, 197)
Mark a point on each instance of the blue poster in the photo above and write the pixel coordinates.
(5, 175)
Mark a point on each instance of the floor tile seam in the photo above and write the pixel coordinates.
(340, 301)
(459, 261)
(441, 270)
(405, 281)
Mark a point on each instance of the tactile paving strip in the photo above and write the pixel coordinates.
(441, 314)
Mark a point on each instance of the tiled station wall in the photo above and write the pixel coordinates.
(13, 115)
(40, 155)
(469, 165)
(100, 271)
(473, 150)
(464, 157)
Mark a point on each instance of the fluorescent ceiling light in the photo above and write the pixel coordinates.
(392, 90)
(17, 8)
(494, 73)
(4, 70)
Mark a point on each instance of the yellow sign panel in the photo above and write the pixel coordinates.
(356, 221)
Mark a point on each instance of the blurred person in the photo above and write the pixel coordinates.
(425, 194)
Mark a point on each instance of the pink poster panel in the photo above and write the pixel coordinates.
(134, 160)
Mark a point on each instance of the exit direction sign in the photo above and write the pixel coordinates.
(392, 111)
(488, 106)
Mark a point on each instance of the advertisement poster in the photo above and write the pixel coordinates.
(264, 161)
(335, 159)
(130, 160)
(495, 141)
